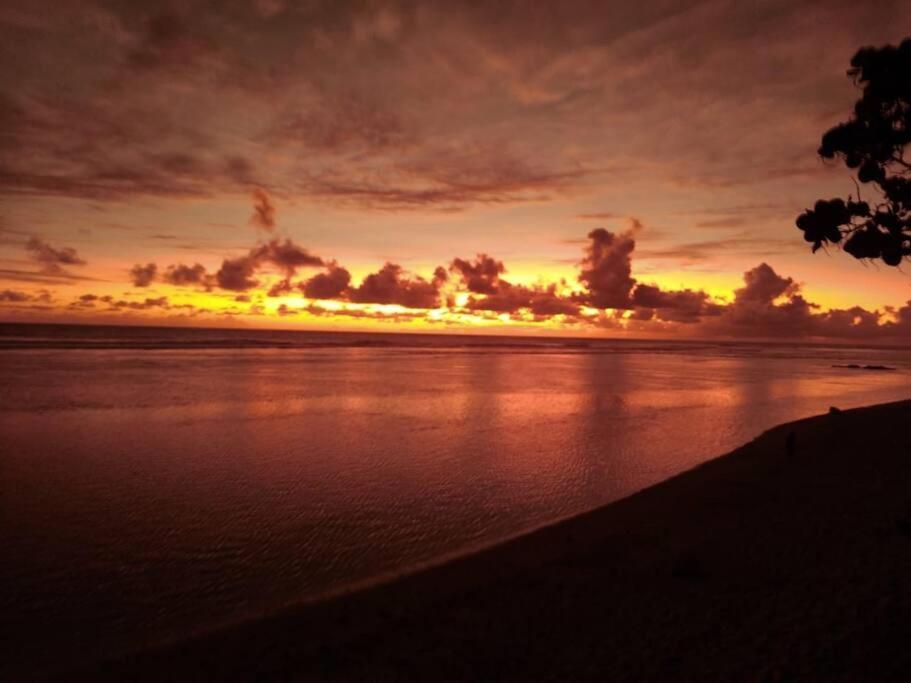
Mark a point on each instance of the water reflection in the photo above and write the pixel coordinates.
(171, 490)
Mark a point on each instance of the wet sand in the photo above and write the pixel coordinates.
(787, 559)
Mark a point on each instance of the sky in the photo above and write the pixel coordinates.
(584, 168)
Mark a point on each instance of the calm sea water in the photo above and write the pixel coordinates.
(159, 482)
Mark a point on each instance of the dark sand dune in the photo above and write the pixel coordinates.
(789, 559)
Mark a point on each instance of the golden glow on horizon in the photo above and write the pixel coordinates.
(256, 309)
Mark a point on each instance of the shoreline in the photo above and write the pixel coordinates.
(705, 549)
(893, 344)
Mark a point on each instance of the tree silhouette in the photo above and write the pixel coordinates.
(872, 143)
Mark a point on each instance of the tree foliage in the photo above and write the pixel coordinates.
(872, 143)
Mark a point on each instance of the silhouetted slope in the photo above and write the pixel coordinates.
(756, 566)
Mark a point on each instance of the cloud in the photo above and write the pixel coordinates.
(144, 305)
(181, 275)
(764, 285)
(143, 275)
(238, 169)
(510, 298)
(329, 285)
(391, 285)
(606, 269)
(52, 259)
(286, 255)
(167, 43)
(445, 179)
(344, 124)
(14, 296)
(238, 274)
(481, 276)
(771, 305)
(683, 306)
(263, 211)
(280, 288)
(709, 250)
(540, 88)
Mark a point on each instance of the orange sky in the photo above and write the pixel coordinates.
(352, 135)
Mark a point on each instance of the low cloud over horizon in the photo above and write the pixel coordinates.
(279, 278)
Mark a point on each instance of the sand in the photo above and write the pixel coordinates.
(788, 559)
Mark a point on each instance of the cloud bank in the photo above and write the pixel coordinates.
(605, 294)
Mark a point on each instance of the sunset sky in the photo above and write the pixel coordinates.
(609, 168)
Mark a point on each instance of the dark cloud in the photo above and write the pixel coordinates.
(510, 298)
(167, 42)
(856, 323)
(285, 255)
(684, 306)
(506, 298)
(143, 275)
(764, 285)
(606, 269)
(901, 327)
(329, 285)
(281, 288)
(344, 124)
(481, 276)
(391, 285)
(238, 274)
(239, 169)
(14, 296)
(144, 305)
(445, 180)
(178, 163)
(235, 274)
(61, 277)
(52, 259)
(147, 83)
(770, 305)
(88, 301)
(546, 302)
(263, 211)
(182, 275)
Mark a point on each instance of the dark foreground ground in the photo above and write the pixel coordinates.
(769, 564)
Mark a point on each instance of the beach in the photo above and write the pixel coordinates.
(787, 559)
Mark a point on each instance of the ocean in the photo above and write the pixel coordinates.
(156, 483)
